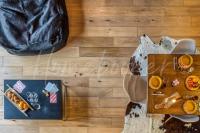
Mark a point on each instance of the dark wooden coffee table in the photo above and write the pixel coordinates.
(162, 65)
(47, 111)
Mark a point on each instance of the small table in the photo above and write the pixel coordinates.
(47, 110)
(162, 65)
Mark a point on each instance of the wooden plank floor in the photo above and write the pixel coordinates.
(103, 35)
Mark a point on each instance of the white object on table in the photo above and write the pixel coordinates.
(135, 87)
(185, 46)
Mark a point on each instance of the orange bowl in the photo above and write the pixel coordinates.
(185, 61)
(155, 82)
(192, 82)
(190, 107)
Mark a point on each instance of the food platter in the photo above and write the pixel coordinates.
(192, 82)
(185, 61)
(190, 107)
(17, 100)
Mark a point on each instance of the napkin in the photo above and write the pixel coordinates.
(19, 86)
(51, 87)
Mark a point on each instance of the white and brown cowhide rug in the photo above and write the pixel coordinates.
(136, 121)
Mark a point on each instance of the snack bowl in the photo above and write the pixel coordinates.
(190, 107)
(155, 82)
(192, 82)
(185, 61)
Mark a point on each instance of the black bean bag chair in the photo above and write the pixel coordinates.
(31, 27)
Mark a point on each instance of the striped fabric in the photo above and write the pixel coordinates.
(53, 98)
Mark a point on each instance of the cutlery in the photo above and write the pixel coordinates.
(159, 93)
(174, 63)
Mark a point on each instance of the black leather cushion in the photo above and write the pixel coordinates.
(30, 27)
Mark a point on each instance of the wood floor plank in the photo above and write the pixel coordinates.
(67, 81)
(117, 122)
(134, 42)
(99, 3)
(76, 81)
(191, 2)
(165, 21)
(63, 130)
(19, 129)
(113, 102)
(156, 39)
(75, 122)
(72, 71)
(126, 41)
(21, 123)
(1, 61)
(195, 21)
(125, 70)
(65, 52)
(27, 61)
(179, 32)
(118, 11)
(1, 86)
(96, 92)
(105, 82)
(119, 92)
(80, 112)
(130, 21)
(3, 52)
(104, 130)
(103, 21)
(106, 52)
(95, 112)
(1, 108)
(10, 71)
(172, 21)
(89, 92)
(119, 3)
(1, 116)
(85, 3)
(91, 41)
(113, 112)
(1, 99)
(82, 102)
(90, 62)
(71, 122)
(182, 11)
(158, 2)
(104, 31)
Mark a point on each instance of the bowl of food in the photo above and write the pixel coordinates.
(190, 107)
(185, 61)
(192, 82)
(155, 82)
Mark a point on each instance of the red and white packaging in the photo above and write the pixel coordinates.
(53, 98)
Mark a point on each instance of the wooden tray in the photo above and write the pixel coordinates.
(13, 91)
(163, 65)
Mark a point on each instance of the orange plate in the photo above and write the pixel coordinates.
(183, 59)
(155, 82)
(186, 82)
(190, 107)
